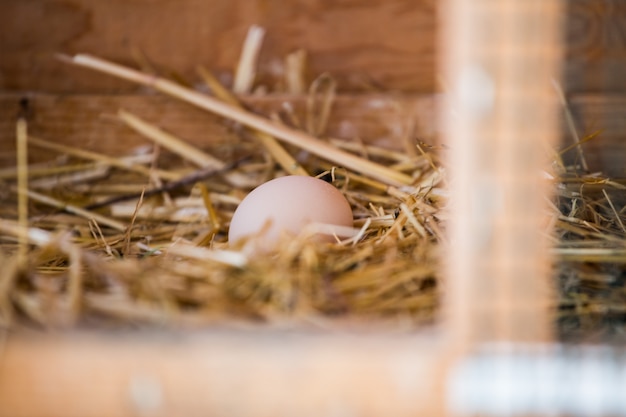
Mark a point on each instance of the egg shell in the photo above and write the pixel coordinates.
(286, 205)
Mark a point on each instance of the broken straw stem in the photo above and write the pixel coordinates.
(291, 136)
(190, 179)
(53, 202)
(122, 163)
(181, 148)
(279, 153)
(22, 185)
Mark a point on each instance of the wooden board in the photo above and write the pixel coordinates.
(387, 43)
(81, 120)
(607, 115)
(383, 119)
(595, 55)
(381, 42)
(222, 373)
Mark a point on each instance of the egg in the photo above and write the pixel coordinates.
(286, 206)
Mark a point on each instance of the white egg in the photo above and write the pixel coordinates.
(286, 206)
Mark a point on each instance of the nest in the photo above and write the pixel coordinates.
(97, 240)
(140, 239)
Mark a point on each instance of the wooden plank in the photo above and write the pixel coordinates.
(596, 46)
(381, 119)
(605, 114)
(502, 113)
(252, 373)
(80, 120)
(388, 42)
(381, 42)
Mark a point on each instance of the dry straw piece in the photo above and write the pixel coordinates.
(137, 257)
(291, 136)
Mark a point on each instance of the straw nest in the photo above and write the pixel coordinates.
(134, 239)
(103, 242)
(97, 240)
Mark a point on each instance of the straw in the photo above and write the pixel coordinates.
(46, 170)
(571, 124)
(617, 215)
(182, 148)
(166, 261)
(317, 119)
(226, 257)
(53, 202)
(190, 179)
(294, 137)
(281, 156)
(75, 284)
(32, 235)
(246, 69)
(295, 68)
(93, 173)
(122, 163)
(22, 186)
(8, 275)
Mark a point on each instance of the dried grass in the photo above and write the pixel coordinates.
(144, 241)
(588, 214)
(113, 250)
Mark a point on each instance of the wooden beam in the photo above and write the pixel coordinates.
(500, 60)
(244, 373)
(381, 119)
(595, 55)
(81, 120)
(388, 43)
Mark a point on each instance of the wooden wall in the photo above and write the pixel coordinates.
(596, 46)
(382, 42)
(368, 45)
(386, 43)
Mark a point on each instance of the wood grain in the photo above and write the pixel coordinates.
(80, 120)
(605, 114)
(595, 58)
(390, 43)
(220, 373)
(387, 43)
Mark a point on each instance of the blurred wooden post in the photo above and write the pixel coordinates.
(500, 58)
(220, 372)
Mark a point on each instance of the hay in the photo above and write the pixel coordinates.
(589, 214)
(144, 241)
(129, 258)
(141, 239)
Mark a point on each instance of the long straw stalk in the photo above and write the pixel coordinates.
(294, 137)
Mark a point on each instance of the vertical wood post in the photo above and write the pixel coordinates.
(500, 58)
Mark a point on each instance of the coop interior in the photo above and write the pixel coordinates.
(480, 146)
